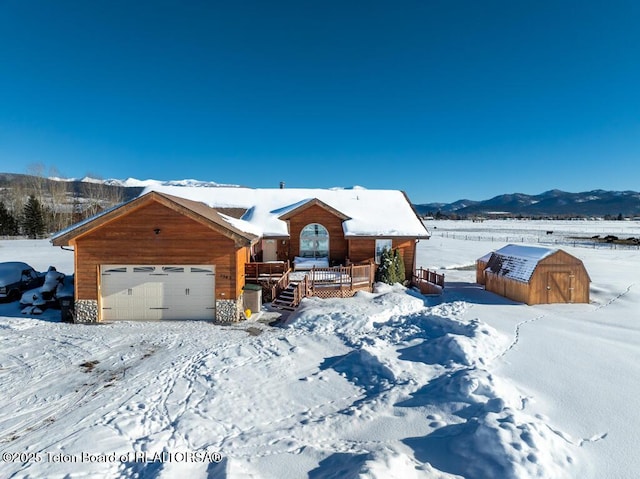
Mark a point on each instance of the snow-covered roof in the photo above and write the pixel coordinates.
(516, 262)
(383, 213)
(236, 228)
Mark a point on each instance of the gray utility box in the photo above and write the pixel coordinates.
(252, 297)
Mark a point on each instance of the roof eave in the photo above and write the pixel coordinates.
(385, 236)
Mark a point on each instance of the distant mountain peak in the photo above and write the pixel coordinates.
(550, 203)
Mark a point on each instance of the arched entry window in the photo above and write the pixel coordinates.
(314, 241)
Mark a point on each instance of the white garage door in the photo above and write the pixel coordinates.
(131, 292)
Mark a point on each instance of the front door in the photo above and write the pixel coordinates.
(269, 250)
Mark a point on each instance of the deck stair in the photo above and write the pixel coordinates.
(286, 299)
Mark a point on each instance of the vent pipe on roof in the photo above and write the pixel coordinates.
(282, 185)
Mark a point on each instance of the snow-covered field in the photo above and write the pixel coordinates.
(384, 385)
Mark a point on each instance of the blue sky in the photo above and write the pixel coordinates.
(443, 99)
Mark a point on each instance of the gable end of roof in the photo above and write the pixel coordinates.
(313, 202)
(195, 210)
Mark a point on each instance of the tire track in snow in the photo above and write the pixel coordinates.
(80, 392)
(48, 409)
(52, 412)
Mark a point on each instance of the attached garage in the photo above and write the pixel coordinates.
(534, 275)
(156, 292)
(159, 257)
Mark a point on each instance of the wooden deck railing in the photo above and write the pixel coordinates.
(301, 291)
(280, 285)
(340, 277)
(339, 281)
(265, 271)
(429, 282)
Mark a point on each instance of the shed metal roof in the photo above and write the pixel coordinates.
(517, 262)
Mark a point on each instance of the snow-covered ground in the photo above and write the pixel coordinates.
(384, 385)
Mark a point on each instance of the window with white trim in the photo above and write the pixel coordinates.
(381, 245)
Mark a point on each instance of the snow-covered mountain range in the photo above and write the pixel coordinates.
(136, 183)
(549, 203)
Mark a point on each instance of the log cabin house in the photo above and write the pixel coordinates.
(534, 275)
(190, 252)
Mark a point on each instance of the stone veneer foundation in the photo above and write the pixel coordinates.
(86, 311)
(228, 310)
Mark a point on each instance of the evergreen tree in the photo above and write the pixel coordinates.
(33, 218)
(398, 266)
(385, 272)
(391, 269)
(8, 222)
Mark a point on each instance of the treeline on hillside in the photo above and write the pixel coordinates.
(35, 206)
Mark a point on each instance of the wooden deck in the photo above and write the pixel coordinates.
(333, 282)
(285, 288)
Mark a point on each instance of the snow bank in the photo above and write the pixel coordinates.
(480, 429)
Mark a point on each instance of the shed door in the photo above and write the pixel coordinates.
(560, 286)
(143, 292)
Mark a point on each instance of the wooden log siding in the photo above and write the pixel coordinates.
(361, 250)
(243, 256)
(131, 239)
(338, 247)
(509, 288)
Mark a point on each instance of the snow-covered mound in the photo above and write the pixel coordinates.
(477, 426)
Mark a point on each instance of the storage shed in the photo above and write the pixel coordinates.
(534, 275)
